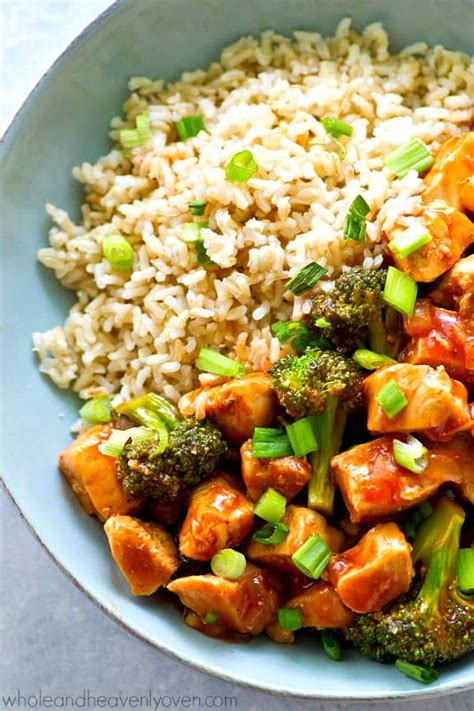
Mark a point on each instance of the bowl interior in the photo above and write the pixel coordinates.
(63, 123)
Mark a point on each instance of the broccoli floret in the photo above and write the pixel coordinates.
(328, 385)
(191, 454)
(354, 314)
(435, 622)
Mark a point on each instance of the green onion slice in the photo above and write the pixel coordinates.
(192, 231)
(228, 564)
(336, 127)
(270, 442)
(369, 360)
(271, 534)
(271, 506)
(414, 155)
(190, 126)
(210, 618)
(241, 167)
(213, 362)
(391, 399)
(97, 410)
(411, 454)
(118, 252)
(355, 225)
(290, 618)
(331, 645)
(409, 241)
(465, 570)
(312, 557)
(114, 445)
(202, 256)
(197, 207)
(302, 436)
(129, 138)
(400, 291)
(425, 675)
(306, 278)
(150, 410)
(142, 123)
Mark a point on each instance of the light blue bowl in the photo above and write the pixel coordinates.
(63, 123)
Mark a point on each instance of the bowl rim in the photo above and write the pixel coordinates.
(189, 659)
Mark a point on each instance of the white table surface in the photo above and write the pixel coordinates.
(52, 638)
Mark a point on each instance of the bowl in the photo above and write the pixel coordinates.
(62, 123)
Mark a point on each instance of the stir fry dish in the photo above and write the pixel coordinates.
(333, 490)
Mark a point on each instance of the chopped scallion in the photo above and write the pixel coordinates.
(409, 241)
(465, 570)
(97, 410)
(400, 291)
(425, 675)
(270, 442)
(355, 225)
(290, 618)
(302, 436)
(202, 256)
(306, 278)
(213, 362)
(142, 123)
(192, 231)
(312, 557)
(129, 138)
(228, 563)
(139, 136)
(414, 155)
(336, 127)
(190, 126)
(271, 534)
(117, 440)
(197, 207)
(241, 167)
(370, 360)
(331, 645)
(271, 506)
(411, 454)
(118, 252)
(391, 399)
(210, 618)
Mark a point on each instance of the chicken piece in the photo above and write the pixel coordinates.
(373, 485)
(302, 523)
(321, 607)
(451, 234)
(437, 405)
(219, 516)
(451, 178)
(441, 337)
(287, 475)
(236, 407)
(456, 289)
(92, 475)
(246, 605)
(375, 571)
(144, 552)
(216, 630)
(278, 634)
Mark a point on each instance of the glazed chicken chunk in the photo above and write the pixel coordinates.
(92, 475)
(287, 475)
(236, 407)
(321, 607)
(246, 605)
(437, 405)
(375, 571)
(373, 485)
(456, 289)
(451, 177)
(441, 337)
(144, 552)
(302, 523)
(219, 516)
(451, 234)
